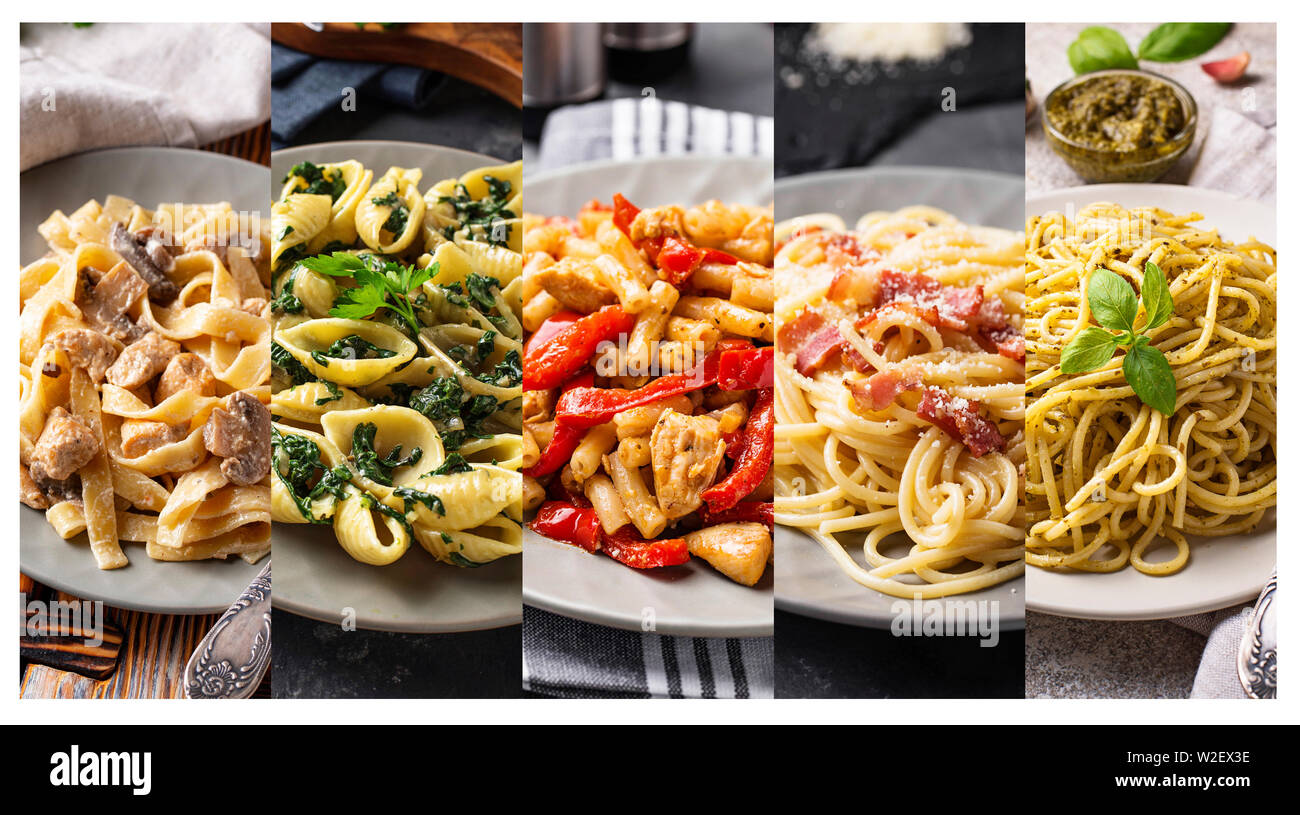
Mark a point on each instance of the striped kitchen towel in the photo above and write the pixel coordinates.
(649, 126)
(571, 659)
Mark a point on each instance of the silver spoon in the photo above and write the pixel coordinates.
(1257, 657)
(231, 659)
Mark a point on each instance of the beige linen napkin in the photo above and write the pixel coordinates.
(115, 84)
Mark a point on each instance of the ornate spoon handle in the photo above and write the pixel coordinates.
(231, 659)
(1257, 658)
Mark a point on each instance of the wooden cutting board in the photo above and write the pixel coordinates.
(489, 55)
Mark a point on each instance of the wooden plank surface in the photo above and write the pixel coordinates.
(144, 654)
(489, 55)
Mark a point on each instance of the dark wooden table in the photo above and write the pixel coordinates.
(143, 655)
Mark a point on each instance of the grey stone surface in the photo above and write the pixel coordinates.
(1091, 659)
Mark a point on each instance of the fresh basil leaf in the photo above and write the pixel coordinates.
(1156, 298)
(1151, 378)
(1175, 42)
(1092, 349)
(1098, 48)
(1112, 300)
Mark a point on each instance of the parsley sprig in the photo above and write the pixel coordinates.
(380, 284)
(1115, 307)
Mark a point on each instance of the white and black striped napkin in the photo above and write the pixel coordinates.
(632, 128)
(579, 660)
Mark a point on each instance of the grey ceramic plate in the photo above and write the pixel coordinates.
(1221, 571)
(314, 577)
(807, 581)
(148, 175)
(690, 600)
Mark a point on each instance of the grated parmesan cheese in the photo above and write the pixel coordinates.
(889, 42)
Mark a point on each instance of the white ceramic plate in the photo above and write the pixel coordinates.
(1222, 571)
(147, 175)
(807, 581)
(689, 600)
(314, 577)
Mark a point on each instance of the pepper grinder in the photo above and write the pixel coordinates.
(564, 64)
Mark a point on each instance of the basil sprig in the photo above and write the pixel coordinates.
(1115, 306)
(1098, 48)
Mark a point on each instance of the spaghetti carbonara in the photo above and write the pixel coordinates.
(398, 373)
(900, 401)
(143, 362)
(1110, 478)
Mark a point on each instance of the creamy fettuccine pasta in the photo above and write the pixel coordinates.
(143, 369)
(397, 369)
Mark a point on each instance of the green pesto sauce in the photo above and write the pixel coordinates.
(1120, 113)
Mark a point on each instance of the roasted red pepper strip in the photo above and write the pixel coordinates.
(742, 369)
(568, 524)
(678, 260)
(560, 449)
(625, 213)
(745, 511)
(588, 407)
(564, 440)
(629, 548)
(719, 256)
(547, 366)
(754, 461)
(551, 326)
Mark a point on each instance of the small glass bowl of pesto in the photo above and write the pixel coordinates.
(1119, 125)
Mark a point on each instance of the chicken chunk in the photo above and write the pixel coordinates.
(685, 452)
(185, 372)
(656, 223)
(66, 445)
(241, 434)
(539, 405)
(738, 550)
(87, 349)
(140, 436)
(142, 360)
(576, 285)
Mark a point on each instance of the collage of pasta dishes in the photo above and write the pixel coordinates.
(798, 360)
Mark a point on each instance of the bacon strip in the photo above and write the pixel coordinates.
(1008, 341)
(818, 350)
(879, 390)
(959, 306)
(960, 418)
(811, 339)
(855, 360)
(964, 309)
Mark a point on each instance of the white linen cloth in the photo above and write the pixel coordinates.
(117, 84)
